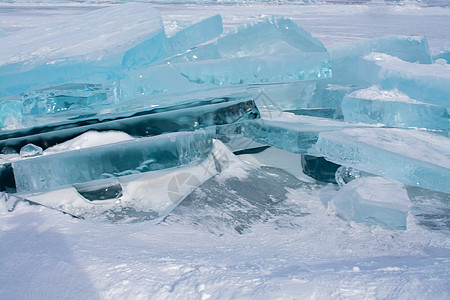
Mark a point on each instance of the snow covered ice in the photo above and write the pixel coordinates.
(191, 131)
(394, 109)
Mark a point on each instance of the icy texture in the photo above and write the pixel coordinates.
(93, 47)
(144, 122)
(297, 134)
(30, 150)
(271, 50)
(195, 35)
(374, 201)
(10, 113)
(412, 157)
(346, 174)
(144, 196)
(65, 97)
(426, 83)
(443, 55)
(345, 59)
(112, 160)
(393, 109)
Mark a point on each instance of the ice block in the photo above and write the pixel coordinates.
(94, 47)
(112, 160)
(394, 109)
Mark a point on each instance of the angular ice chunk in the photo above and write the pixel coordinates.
(413, 157)
(206, 74)
(131, 198)
(264, 37)
(143, 122)
(393, 109)
(345, 60)
(271, 50)
(346, 174)
(428, 83)
(30, 150)
(268, 36)
(112, 160)
(195, 35)
(330, 96)
(374, 201)
(297, 134)
(93, 47)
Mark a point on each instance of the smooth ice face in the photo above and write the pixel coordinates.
(268, 36)
(145, 196)
(66, 97)
(345, 60)
(409, 156)
(146, 121)
(194, 35)
(268, 51)
(393, 108)
(374, 201)
(297, 134)
(93, 47)
(428, 83)
(112, 160)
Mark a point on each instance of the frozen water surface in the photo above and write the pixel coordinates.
(258, 230)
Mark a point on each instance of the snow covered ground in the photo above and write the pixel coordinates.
(250, 232)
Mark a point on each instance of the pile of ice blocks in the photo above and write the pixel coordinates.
(380, 106)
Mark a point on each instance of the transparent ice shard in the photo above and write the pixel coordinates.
(413, 157)
(297, 134)
(346, 174)
(139, 121)
(345, 60)
(133, 198)
(394, 109)
(112, 160)
(264, 37)
(30, 150)
(271, 50)
(428, 83)
(239, 71)
(194, 35)
(94, 47)
(374, 201)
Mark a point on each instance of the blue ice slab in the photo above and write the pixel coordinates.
(393, 109)
(94, 47)
(410, 156)
(263, 37)
(112, 160)
(194, 35)
(297, 134)
(138, 121)
(374, 201)
(66, 97)
(345, 59)
(10, 113)
(268, 36)
(428, 83)
(239, 71)
(271, 50)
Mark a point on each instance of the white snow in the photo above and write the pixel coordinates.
(375, 93)
(45, 254)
